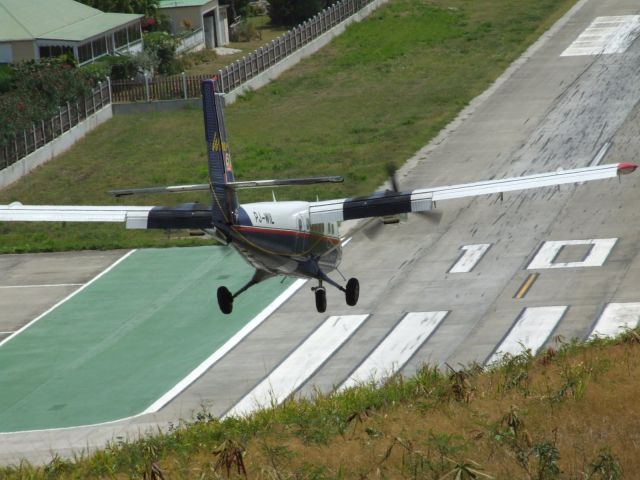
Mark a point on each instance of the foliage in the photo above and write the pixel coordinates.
(37, 89)
(239, 9)
(162, 46)
(148, 8)
(244, 31)
(293, 12)
(6, 78)
(127, 67)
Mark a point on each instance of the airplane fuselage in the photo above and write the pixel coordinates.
(278, 237)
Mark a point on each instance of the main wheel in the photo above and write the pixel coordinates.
(321, 299)
(353, 292)
(225, 300)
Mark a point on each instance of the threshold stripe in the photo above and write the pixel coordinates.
(300, 365)
(471, 256)
(396, 349)
(615, 319)
(533, 327)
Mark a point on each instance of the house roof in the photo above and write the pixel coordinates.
(55, 20)
(182, 3)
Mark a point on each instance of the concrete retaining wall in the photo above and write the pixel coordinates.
(65, 141)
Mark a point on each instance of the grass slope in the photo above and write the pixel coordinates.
(568, 413)
(375, 95)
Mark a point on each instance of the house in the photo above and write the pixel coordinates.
(34, 29)
(207, 19)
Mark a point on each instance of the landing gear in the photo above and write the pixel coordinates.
(225, 297)
(225, 300)
(352, 292)
(321, 299)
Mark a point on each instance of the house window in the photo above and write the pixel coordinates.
(84, 53)
(134, 33)
(120, 38)
(53, 51)
(99, 47)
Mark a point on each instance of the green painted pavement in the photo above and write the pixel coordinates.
(125, 340)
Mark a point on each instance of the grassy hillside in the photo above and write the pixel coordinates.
(568, 413)
(376, 94)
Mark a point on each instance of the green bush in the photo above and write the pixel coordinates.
(6, 78)
(244, 32)
(293, 12)
(163, 46)
(35, 90)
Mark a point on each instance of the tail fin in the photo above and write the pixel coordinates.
(220, 169)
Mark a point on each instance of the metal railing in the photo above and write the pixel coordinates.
(172, 88)
(68, 116)
(243, 69)
(191, 41)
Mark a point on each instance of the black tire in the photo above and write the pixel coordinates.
(225, 300)
(353, 292)
(321, 300)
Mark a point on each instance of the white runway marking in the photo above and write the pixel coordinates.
(397, 348)
(68, 297)
(616, 318)
(605, 35)
(532, 329)
(600, 250)
(471, 256)
(300, 365)
(222, 351)
(44, 286)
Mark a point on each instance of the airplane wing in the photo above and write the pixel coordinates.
(188, 215)
(420, 200)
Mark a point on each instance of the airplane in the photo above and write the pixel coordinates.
(292, 238)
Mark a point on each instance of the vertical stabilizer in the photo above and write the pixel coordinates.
(219, 156)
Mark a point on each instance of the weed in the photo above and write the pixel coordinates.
(514, 372)
(605, 466)
(230, 454)
(465, 470)
(547, 456)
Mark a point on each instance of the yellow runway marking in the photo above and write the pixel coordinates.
(526, 286)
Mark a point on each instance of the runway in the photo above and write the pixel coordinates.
(496, 274)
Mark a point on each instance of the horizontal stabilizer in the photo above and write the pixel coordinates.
(149, 190)
(287, 182)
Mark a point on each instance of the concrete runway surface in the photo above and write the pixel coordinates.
(492, 276)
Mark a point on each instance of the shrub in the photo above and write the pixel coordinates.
(293, 12)
(163, 46)
(244, 32)
(35, 90)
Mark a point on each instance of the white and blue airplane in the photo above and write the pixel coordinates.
(292, 238)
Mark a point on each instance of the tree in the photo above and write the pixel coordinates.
(293, 12)
(148, 8)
